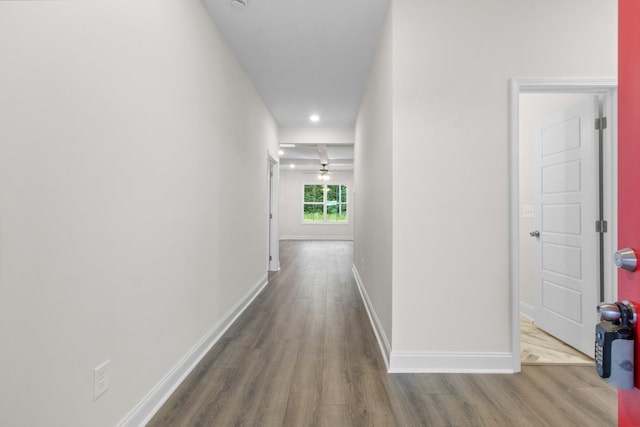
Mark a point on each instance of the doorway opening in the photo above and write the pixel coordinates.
(534, 101)
(273, 240)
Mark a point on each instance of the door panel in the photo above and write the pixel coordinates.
(629, 177)
(562, 137)
(562, 218)
(562, 301)
(565, 261)
(565, 211)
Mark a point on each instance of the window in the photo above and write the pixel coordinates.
(325, 204)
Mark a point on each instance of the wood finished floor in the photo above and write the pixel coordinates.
(304, 354)
(539, 348)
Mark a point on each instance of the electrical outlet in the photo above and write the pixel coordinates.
(100, 379)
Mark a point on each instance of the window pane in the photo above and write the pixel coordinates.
(313, 193)
(313, 212)
(337, 193)
(332, 193)
(343, 194)
(337, 212)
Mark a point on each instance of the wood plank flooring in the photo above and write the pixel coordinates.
(304, 354)
(539, 348)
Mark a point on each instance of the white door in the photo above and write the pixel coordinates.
(566, 197)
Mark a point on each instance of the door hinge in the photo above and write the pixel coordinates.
(270, 258)
(601, 123)
(270, 216)
(601, 226)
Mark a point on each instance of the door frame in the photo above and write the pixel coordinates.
(273, 238)
(606, 86)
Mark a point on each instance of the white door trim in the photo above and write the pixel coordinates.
(273, 238)
(517, 86)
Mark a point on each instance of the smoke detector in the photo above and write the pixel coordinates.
(239, 4)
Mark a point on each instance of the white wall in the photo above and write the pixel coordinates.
(450, 244)
(373, 181)
(123, 123)
(290, 208)
(316, 135)
(451, 62)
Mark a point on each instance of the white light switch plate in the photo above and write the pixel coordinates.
(100, 379)
(527, 211)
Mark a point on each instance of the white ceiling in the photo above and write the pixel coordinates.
(304, 56)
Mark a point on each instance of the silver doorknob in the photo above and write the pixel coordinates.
(608, 311)
(626, 259)
(535, 233)
(613, 312)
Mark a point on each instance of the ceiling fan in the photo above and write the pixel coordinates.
(324, 172)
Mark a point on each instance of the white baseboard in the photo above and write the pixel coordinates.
(316, 237)
(425, 362)
(476, 363)
(146, 409)
(381, 337)
(527, 310)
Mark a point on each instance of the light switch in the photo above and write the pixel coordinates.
(527, 211)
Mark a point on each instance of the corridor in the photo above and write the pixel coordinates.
(304, 354)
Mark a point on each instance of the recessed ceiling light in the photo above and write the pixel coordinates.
(292, 166)
(239, 4)
(314, 118)
(281, 152)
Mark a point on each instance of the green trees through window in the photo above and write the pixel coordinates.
(325, 203)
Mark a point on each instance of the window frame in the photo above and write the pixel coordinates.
(325, 204)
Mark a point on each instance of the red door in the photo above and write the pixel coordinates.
(629, 179)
